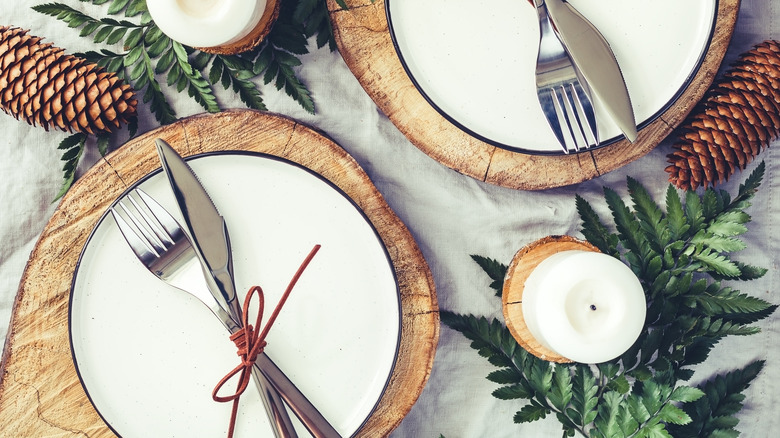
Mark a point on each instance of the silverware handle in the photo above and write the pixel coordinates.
(311, 418)
(274, 407)
(269, 394)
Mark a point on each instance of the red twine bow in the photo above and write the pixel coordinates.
(250, 342)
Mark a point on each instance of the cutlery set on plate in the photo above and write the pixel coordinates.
(575, 70)
(201, 265)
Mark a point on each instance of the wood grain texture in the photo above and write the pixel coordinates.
(364, 41)
(255, 36)
(40, 393)
(523, 263)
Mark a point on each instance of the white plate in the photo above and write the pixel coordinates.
(474, 60)
(149, 355)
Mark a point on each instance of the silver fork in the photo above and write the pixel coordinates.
(564, 96)
(164, 248)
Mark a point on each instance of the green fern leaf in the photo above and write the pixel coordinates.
(199, 87)
(136, 7)
(651, 218)
(593, 230)
(513, 392)
(711, 204)
(714, 261)
(619, 384)
(540, 376)
(303, 9)
(613, 420)
(627, 227)
(102, 144)
(495, 270)
(750, 186)
(246, 89)
(530, 413)
(584, 398)
(686, 394)
(64, 12)
(73, 146)
(722, 399)
(736, 216)
(747, 272)
(560, 392)
(319, 24)
(674, 415)
(117, 6)
(719, 228)
(288, 38)
(718, 243)
(726, 301)
(653, 431)
(675, 215)
(505, 376)
(89, 28)
(653, 396)
(693, 212)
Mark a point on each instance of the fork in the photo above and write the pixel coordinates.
(563, 95)
(161, 244)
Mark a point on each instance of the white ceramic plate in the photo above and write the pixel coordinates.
(474, 60)
(149, 355)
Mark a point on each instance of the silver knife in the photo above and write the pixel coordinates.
(596, 62)
(212, 244)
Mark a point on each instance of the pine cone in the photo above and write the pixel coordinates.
(739, 117)
(45, 86)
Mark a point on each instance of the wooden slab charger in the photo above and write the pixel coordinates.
(40, 392)
(523, 263)
(364, 41)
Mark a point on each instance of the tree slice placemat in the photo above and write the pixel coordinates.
(40, 392)
(364, 40)
(523, 264)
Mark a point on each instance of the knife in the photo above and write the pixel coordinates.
(595, 60)
(212, 245)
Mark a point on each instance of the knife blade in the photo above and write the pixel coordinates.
(208, 229)
(594, 59)
(212, 245)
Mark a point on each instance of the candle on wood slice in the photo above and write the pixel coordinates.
(215, 26)
(564, 301)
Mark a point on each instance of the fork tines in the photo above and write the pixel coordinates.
(574, 107)
(146, 225)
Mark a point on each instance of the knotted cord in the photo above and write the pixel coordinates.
(251, 343)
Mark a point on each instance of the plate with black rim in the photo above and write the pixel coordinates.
(149, 355)
(474, 61)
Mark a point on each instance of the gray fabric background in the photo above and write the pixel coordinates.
(451, 217)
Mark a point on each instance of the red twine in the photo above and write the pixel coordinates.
(251, 343)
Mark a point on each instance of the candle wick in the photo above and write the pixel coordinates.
(592, 307)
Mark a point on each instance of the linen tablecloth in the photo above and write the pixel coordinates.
(450, 215)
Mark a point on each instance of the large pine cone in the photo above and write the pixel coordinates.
(42, 85)
(738, 118)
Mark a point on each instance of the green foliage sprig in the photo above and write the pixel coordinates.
(680, 256)
(156, 65)
(73, 148)
(148, 54)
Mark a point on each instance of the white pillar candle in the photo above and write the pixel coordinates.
(206, 23)
(586, 306)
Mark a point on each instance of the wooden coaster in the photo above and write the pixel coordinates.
(40, 391)
(364, 42)
(524, 262)
(253, 38)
